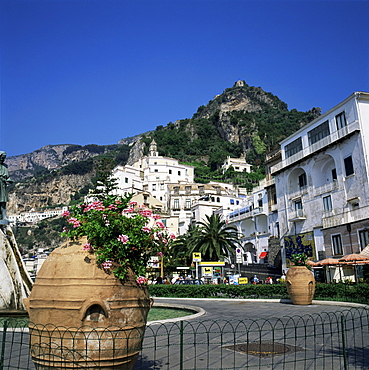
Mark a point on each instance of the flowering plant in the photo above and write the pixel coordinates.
(121, 233)
(300, 259)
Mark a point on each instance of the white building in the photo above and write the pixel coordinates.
(36, 216)
(322, 181)
(158, 172)
(191, 202)
(251, 220)
(238, 164)
(129, 179)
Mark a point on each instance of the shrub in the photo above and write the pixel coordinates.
(338, 292)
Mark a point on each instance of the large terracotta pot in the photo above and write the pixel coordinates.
(80, 316)
(300, 285)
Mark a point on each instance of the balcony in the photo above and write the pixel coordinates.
(298, 215)
(345, 217)
(326, 188)
(270, 182)
(257, 211)
(321, 144)
(244, 213)
(299, 193)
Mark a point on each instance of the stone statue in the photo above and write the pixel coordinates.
(4, 181)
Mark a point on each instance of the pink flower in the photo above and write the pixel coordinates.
(160, 224)
(146, 229)
(112, 207)
(66, 214)
(165, 241)
(106, 265)
(74, 222)
(156, 217)
(141, 280)
(133, 203)
(160, 254)
(87, 247)
(172, 236)
(118, 201)
(98, 206)
(123, 238)
(146, 212)
(129, 210)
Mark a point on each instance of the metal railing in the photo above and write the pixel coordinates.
(329, 340)
(321, 144)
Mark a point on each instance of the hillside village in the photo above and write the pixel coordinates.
(314, 199)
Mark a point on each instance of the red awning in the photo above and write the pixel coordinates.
(263, 255)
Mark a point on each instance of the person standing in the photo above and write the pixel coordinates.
(255, 280)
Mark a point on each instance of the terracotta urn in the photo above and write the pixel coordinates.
(300, 285)
(81, 316)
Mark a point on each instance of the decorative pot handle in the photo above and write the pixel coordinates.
(311, 286)
(289, 282)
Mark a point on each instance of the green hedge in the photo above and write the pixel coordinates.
(339, 292)
(219, 291)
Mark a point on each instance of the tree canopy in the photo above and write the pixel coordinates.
(213, 238)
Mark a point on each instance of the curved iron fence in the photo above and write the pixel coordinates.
(330, 340)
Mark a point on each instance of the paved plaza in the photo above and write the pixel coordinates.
(230, 309)
(243, 334)
(318, 336)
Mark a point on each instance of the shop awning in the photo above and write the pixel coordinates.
(263, 255)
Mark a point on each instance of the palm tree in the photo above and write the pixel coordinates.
(182, 246)
(216, 239)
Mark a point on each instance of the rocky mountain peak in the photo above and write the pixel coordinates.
(240, 97)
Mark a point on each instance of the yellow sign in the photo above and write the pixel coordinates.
(207, 271)
(243, 280)
(196, 257)
(212, 263)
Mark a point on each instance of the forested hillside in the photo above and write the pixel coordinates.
(242, 121)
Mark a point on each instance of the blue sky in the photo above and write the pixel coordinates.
(93, 72)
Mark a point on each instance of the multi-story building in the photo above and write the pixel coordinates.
(129, 179)
(322, 182)
(157, 172)
(251, 220)
(191, 202)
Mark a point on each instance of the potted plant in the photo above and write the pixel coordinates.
(300, 281)
(90, 298)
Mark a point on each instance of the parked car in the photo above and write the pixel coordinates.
(189, 282)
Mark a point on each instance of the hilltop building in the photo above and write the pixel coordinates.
(238, 164)
(157, 172)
